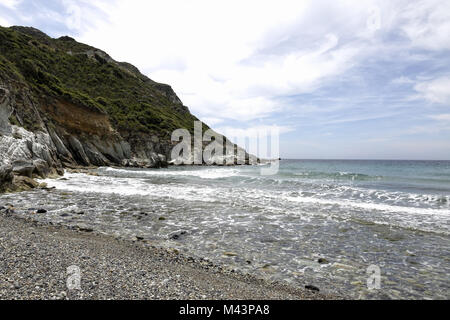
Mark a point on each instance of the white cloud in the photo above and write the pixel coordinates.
(4, 22)
(441, 117)
(211, 121)
(402, 80)
(427, 23)
(237, 134)
(11, 4)
(436, 91)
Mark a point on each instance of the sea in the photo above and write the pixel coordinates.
(360, 229)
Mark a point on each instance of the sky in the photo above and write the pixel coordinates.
(339, 79)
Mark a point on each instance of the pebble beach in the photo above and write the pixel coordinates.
(35, 257)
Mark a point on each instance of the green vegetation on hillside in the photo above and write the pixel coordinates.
(67, 70)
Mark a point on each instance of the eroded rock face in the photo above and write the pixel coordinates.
(43, 153)
(64, 135)
(67, 142)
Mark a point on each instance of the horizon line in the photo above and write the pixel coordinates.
(361, 159)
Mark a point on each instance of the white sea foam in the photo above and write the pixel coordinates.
(371, 206)
(215, 173)
(79, 182)
(128, 186)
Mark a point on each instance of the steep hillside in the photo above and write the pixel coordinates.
(67, 104)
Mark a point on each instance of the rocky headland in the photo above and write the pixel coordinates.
(64, 104)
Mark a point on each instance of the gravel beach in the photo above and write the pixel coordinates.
(34, 259)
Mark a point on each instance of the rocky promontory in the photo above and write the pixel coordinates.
(64, 104)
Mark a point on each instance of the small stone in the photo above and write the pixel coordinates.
(41, 211)
(230, 254)
(84, 228)
(161, 218)
(80, 213)
(323, 261)
(267, 268)
(173, 250)
(312, 288)
(64, 214)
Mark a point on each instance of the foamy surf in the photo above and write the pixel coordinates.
(215, 173)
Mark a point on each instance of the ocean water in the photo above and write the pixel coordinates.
(354, 214)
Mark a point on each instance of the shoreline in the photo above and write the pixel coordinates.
(36, 256)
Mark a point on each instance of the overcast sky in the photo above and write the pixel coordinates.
(340, 79)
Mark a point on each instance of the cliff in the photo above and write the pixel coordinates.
(67, 104)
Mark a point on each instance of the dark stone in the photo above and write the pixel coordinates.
(2, 208)
(41, 211)
(312, 288)
(80, 213)
(64, 214)
(85, 229)
(161, 218)
(323, 261)
(177, 236)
